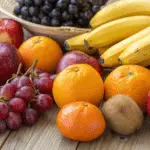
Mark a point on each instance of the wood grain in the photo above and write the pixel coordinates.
(42, 136)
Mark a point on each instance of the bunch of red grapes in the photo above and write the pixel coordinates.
(23, 99)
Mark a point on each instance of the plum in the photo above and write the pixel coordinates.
(77, 57)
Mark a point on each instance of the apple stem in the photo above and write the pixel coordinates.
(32, 68)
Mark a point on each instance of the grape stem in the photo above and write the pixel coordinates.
(31, 69)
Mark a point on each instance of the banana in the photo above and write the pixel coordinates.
(137, 52)
(77, 43)
(110, 57)
(117, 30)
(144, 63)
(102, 50)
(120, 9)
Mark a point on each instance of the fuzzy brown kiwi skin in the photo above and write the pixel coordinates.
(122, 114)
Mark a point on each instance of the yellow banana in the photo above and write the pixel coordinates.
(121, 9)
(145, 63)
(110, 57)
(117, 30)
(102, 50)
(77, 43)
(137, 52)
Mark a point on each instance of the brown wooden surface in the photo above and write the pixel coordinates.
(45, 136)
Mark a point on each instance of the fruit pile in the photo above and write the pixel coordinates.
(58, 12)
(113, 36)
(24, 98)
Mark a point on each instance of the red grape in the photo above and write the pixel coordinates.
(8, 91)
(38, 71)
(26, 93)
(44, 85)
(17, 105)
(30, 116)
(24, 81)
(3, 110)
(15, 81)
(2, 126)
(43, 102)
(13, 120)
(44, 74)
(52, 77)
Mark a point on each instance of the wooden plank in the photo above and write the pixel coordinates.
(112, 141)
(42, 136)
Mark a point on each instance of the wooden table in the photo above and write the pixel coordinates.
(44, 135)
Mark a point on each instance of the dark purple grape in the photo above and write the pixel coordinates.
(82, 22)
(68, 23)
(95, 8)
(34, 11)
(55, 22)
(38, 2)
(20, 2)
(30, 116)
(17, 10)
(36, 20)
(3, 126)
(3, 111)
(52, 1)
(73, 9)
(8, 91)
(13, 121)
(46, 2)
(62, 4)
(97, 2)
(43, 102)
(74, 1)
(26, 93)
(29, 3)
(17, 105)
(46, 8)
(25, 11)
(81, 14)
(29, 19)
(88, 14)
(24, 81)
(41, 15)
(55, 13)
(46, 21)
(66, 16)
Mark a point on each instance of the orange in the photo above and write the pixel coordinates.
(131, 80)
(79, 82)
(80, 121)
(44, 49)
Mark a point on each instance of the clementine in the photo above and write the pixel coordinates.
(130, 80)
(44, 49)
(79, 82)
(80, 121)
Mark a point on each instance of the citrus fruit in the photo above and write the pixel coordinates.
(79, 82)
(80, 121)
(44, 49)
(130, 80)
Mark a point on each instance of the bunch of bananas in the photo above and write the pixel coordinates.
(120, 32)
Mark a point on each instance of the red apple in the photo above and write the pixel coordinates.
(11, 32)
(9, 61)
(77, 57)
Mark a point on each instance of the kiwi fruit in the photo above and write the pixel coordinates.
(122, 114)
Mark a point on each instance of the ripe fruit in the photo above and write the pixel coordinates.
(26, 93)
(130, 80)
(77, 57)
(122, 114)
(43, 102)
(30, 116)
(8, 91)
(79, 82)
(13, 121)
(3, 110)
(44, 84)
(11, 32)
(44, 49)
(80, 121)
(9, 61)
(17, 105)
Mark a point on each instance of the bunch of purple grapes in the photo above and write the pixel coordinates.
(23, 99)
